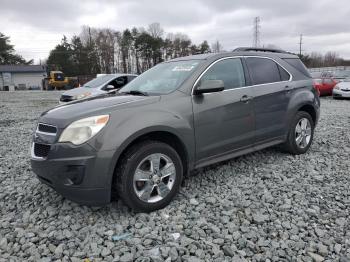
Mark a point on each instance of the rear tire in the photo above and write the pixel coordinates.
(300, 134)
(149, 176)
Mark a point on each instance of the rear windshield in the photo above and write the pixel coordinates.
(298, 65)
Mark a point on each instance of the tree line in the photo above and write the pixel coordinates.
(316, 59)
(132, 50)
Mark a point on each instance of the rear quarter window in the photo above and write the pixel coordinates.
(298, 65)
(285, 76)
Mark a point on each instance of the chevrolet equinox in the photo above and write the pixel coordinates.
(140, 142)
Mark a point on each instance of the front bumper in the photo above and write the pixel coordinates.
(341, 93)
(79, 173)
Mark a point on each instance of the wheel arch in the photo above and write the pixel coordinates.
(303, 100)
(164, 135)
(308, 108)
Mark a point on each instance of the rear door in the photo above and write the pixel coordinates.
(271, 88)
(224, 121)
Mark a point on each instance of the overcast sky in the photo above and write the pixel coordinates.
(35, 27)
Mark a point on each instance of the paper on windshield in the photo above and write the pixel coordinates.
(184, 68)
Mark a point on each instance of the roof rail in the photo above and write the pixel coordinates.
(258, 49)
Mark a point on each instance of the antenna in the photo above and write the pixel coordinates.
(256, 32)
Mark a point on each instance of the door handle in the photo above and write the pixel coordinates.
(287, 88)
(246, 99)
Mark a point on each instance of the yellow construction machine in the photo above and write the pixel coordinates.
(58, 81)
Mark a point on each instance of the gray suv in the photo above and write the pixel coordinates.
(139, 143)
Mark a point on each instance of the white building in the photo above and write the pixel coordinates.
(22, 77)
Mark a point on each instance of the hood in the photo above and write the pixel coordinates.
(344, 85)
(63, 115)
(82, 90)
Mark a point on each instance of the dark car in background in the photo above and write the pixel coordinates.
(187, 113)
(97, 86)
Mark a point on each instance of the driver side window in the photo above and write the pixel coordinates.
(230, 71)
(119, 82)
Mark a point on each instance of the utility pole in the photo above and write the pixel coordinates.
(300, 45)
(90, 36)
(256, 32)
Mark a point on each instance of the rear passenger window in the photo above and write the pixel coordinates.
(284, 74)
(263, 70)
(228, 70)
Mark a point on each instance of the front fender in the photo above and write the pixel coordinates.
(125, 126)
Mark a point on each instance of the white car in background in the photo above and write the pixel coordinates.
(97, 86)
(342, 89)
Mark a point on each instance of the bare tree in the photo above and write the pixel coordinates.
(331, 59)
(155, 30)
(216, 47)
(316, 59)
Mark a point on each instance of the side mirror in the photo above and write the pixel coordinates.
(110, 87)
(209, 86)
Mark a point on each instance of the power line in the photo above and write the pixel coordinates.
(256, 32)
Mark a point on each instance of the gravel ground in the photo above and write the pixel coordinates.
(265, 206)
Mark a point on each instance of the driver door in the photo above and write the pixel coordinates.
(224, 121)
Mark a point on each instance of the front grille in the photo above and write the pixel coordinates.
(345, 90)
(41, 150)
(65, 98)
(47, 128)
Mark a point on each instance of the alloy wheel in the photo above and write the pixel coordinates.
(303, 132)
(154, 178)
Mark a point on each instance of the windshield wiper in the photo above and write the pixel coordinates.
(135, 93)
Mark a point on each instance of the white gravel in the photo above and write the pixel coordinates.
(265, 206)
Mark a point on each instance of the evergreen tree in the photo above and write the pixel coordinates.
(61, 58)
(7, 55)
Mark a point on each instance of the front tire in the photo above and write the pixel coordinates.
(149, 176)
(300, 135)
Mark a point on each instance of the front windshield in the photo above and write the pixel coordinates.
(59, 77)
(96, 82)
(163, 78)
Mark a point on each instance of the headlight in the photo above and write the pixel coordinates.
(82, 130)
(81, 96)
(337, 87)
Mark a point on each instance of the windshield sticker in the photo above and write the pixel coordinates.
(183, 68)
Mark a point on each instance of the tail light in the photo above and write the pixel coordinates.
(315, 85)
